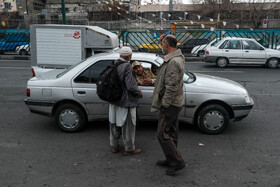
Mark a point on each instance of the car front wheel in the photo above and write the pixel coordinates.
(273, 63)
(70, 117)
(213, 119)
(222, 62)
(23, 52)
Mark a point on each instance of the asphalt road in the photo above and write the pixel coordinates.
(34, 152)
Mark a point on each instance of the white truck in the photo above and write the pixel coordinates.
(60, 46)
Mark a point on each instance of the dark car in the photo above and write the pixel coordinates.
(188, 45)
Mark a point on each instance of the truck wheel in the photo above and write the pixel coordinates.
(222, 62)
(70, 118)
(272, 63)
(213, 119)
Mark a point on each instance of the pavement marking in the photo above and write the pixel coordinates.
(15, 68)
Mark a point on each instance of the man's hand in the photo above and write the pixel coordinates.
(141, 95)
(147, 81)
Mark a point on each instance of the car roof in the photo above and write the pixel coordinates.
(115, 55)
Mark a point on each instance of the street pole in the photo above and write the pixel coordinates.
(63, 12)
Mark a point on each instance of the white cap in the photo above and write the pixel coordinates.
(125, 51)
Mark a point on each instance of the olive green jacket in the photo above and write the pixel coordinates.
(169, 83)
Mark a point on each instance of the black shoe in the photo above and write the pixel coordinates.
(162, 163)
(172, 170)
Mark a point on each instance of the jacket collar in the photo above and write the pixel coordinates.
(176, 53)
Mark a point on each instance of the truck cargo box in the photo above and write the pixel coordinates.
(60, 46)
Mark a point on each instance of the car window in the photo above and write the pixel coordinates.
(251, 45)
(223, 44)
(91, 74)
(233, 44)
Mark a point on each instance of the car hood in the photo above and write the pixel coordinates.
(216, 85)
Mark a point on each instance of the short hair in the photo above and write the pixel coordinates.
(171, 41)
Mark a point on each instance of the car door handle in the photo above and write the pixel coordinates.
(227, 50)
(81, 92)
(247, 51)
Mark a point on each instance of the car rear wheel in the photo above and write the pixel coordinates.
(200, 53)
(23, 52)
(222, 62)
(213, 119)
(70, 117)
(272, 63)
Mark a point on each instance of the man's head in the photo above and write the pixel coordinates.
(126, 53)
(137, 67)
(169, 43)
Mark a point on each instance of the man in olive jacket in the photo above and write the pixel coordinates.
(168, 98)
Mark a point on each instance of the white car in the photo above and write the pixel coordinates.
(241, 51)
(199, 50)
(23, 49)
(70, 96)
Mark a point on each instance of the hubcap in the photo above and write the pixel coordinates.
(69, 119)
(222, 62)
(213, 120)
(273, 63)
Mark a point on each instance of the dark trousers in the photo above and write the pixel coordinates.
(168, 129)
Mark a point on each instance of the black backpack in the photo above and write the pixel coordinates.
(109, 86)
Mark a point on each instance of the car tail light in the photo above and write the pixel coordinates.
(28, 92)
(33, 72)
(207, 52)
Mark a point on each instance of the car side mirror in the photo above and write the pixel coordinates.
(261, 48)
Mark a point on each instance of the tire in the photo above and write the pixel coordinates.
(200, 53)
(23, 52)
(222, 62)
(272, 63)
(70, 118)
(213, 119)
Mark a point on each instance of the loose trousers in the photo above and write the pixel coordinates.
(128, 134)
(167, 132)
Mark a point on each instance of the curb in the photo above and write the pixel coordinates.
(14, 57)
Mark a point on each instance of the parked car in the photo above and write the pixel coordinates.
(12, 40)
(187, 46)
(70, 96)
(23, 49)
(199, 50)
(241, 51)
(153, 47)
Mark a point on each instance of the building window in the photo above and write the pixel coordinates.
(8, 5)
(37, 6)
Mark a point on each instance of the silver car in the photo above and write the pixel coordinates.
(70, 96)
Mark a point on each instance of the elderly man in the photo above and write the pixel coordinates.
(122, 113)
(168, 98)
(144, 76)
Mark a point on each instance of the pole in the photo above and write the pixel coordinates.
(63, 12)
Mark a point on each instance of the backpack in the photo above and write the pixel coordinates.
(109, 86)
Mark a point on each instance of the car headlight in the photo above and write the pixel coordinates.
(247, 99)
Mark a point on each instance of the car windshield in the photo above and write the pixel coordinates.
(217, 43)
(188, 78)
(68, 69)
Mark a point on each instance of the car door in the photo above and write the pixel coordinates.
(144, 109)
(84, 88)
(253, 53)
(232, 50)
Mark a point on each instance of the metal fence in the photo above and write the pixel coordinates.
(148, 40)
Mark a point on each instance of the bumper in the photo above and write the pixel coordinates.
(40, 107)
(210, 59)
(241, 111)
